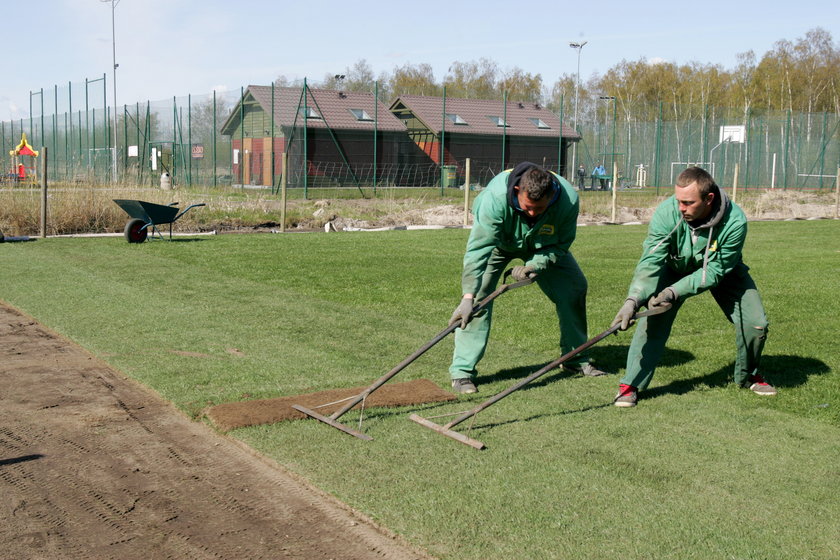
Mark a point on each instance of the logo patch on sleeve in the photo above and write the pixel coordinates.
(546, 229)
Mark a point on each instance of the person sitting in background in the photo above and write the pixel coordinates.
(597, 173)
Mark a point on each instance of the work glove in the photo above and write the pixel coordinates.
(664, 299)
(462, 312)
(625, 314)
(520, 273)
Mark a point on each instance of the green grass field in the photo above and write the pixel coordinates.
(699, 469)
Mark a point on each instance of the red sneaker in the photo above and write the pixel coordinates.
(760, 387)
(626, 397)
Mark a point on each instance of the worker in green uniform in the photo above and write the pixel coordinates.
(526, 213)
(694, 244)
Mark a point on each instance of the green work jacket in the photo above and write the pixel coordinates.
(700, 256)
(497, 223)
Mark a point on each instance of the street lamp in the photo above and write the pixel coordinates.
(114, 61)
(579, 48)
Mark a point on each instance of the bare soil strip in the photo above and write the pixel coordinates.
(93, 466)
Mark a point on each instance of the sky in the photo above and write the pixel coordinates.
(171, 48)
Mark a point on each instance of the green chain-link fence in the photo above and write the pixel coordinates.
(181, 137)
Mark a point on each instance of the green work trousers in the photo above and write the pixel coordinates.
(739, 300)
(563, 283)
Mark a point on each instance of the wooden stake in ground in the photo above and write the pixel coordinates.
(735, 184)
(467, 195)
(283, 161)
(43, 192)
(614, 190)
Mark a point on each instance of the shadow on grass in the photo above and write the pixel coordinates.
(781, 371)
(614, 358)
(176, 239)
(490, 425)
(610, 359)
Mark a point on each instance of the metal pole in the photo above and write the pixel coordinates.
(786, 152)
(43, 131)
(271, 178)
(114, 60)
(305, 140)
(504, 127)
(612, 157)
(242, 135)
(560, 143)
(822, 143)
(579, 47)
(375, 129)
(55, 119)
(189, 138)
(68, 144)
(656, 161)
(125, 136)
(214, 135)
(442, 138)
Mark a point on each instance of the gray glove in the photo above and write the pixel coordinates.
(664, 299)
(520, 273)
(625, 314)
(462, 313)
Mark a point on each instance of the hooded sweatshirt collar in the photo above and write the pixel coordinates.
(719, 207)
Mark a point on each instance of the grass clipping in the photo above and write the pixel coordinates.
(229, 416)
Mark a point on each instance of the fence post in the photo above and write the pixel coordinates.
(44, 192)
(467, 193)
(614, 190)
(283, 192)
(735, 183)
(837, 195)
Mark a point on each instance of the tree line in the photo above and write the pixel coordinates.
(801, 75)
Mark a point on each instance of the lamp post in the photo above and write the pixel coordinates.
(579, 48)
(114, 80)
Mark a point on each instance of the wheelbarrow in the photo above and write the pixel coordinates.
(147, 216)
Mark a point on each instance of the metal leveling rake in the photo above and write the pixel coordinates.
(457, 436)
(332, 420)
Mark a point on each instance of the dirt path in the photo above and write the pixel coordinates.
(93, 465)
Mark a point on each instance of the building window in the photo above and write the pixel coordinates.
(456, 119)
(361, 115)
(310, 113)
(498, 121)
(538, 122)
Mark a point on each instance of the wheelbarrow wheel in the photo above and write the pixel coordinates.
(135, 232)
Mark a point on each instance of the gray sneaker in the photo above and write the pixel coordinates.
(464, 386)
(586, 369)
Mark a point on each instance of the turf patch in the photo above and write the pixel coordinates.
(241, 414)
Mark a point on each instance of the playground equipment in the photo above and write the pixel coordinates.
(19, 171)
